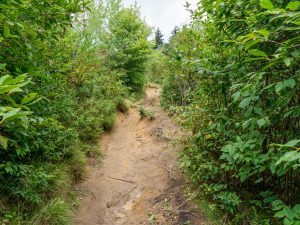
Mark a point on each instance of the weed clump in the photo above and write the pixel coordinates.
(145, 114)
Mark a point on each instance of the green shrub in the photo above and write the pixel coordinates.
(124, 106)
(157, 67)
(234, 82)
(54, 105)
(130, 48)
(145, 114)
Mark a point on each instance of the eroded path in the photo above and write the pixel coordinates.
(138, 181)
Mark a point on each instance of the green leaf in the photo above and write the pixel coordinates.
(258, 53)
(6, 31)
(292, 143)
(29, 98)
(3, 141)
(288, 61)
(289, 157)
(293, 5)
(14, 113)
(263, 122)
(4, 79)
(296, 210)
(18, 79)
(266, 4)
(277, 202)
(291, 83)
(236, 96)
(288, 221)
(288, 212)
(296, 54)
(10, 113)
(245, 102)
(279, 214)
(264, 32)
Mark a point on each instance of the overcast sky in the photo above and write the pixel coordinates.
(165, 14)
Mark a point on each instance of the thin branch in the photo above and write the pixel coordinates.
(127, 181)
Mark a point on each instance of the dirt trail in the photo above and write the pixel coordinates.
(138, 181)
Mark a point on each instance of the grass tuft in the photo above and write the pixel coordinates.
(145, 114)
(56, 212)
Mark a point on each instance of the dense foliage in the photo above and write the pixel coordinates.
(58, 93)
(234, 82)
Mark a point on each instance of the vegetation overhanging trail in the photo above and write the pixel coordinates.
(230, 77)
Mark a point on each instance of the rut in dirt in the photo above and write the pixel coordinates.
(139, 181)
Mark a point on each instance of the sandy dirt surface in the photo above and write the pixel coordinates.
(139, 181)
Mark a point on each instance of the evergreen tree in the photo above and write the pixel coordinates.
(175, 31)
(159, 41)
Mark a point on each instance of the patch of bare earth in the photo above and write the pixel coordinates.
(139, 181)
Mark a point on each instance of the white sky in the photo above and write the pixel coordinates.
(165, 14)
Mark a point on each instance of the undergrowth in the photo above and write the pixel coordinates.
(233, 81)
(62, 83)
(145, 113)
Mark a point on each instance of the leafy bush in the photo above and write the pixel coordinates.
(157, 67)
(145, 114)
(236, 86)
(60, 88)
(130, 47)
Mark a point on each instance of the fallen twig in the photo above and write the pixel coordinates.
(178, 207)
(189, 212)
(127, 181)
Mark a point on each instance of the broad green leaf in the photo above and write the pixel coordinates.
(288, 221)
(10, 114)
(293, 5)
(249, 44)
(245, 102)
(17, 80)
(289, 157)
(10, 89)
(291, 83)
(279, 214)
(236, 96)
(29, 98)
(296, 54)
(296, 210)
(288, 212)
(266, 4)
(263, 122)
(279, 87)
(277, 202)
(258, 53)
(3, 141)
(292, 143)
(288, 61)
(4, 79)
(15, 113)
(264, 32)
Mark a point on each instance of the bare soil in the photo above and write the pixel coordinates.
(139, 181)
